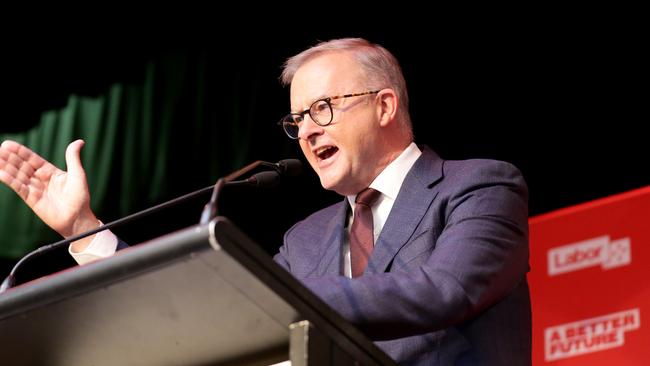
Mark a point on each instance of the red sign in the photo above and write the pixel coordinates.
(590, 282)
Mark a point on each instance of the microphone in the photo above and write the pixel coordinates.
(262, 179)
(288, 167)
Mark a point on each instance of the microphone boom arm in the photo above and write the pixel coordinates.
(290, 167)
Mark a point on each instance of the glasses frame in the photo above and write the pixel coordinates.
(283, 122)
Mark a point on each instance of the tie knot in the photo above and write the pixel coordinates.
(367, 197)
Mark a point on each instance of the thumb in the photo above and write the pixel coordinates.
(73, 157)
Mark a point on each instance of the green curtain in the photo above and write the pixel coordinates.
(171, 132)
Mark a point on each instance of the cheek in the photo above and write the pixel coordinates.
(355, 135)
(306, 151)
(350, 146)
(303, 146)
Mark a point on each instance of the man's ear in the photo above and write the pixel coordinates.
(387, 106)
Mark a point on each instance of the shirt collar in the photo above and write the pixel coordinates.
(389, 181)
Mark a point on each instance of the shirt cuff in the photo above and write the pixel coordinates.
(103, 245)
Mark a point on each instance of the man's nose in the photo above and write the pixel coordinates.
(308, 128)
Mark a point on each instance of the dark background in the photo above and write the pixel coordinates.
(564, 101)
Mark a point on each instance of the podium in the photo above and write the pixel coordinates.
(205, 295)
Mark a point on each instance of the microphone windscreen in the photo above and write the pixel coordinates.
(266, 179)
(290, 167)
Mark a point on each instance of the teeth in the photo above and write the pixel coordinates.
(321, 150)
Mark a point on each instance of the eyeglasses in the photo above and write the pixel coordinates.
(320, 112)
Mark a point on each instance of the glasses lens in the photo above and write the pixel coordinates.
(290, 126)
(321, 112)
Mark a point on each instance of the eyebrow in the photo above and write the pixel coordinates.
(321, 97)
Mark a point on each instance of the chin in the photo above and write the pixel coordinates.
(330, 183)
(335, 179)
(327, 184)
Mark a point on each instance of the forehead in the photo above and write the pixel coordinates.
(324, 75)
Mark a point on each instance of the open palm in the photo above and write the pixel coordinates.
(61, 199)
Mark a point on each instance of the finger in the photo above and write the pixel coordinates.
(18, 173)
(4, 152)
(29, 188)
(12, 148)
(20, 164)
(27, 169)
(29, 156)
(3, 159)
(5, 177)
(18, 180)
(73, 158)
(14, 184)
(11, 171)
(17, 168)
(4, 164)
(6, 143)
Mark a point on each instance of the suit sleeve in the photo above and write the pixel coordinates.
(480, 256)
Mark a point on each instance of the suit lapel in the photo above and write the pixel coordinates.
(414, 198)
(331, 260)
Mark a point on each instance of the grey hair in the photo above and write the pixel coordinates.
(379, 66)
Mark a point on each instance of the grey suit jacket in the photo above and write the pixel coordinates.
(446, 282)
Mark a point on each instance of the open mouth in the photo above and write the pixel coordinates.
(325, 152)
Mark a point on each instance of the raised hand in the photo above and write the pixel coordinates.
(61, 199)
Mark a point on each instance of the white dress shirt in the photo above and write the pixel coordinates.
(103, 245)
(388, 183)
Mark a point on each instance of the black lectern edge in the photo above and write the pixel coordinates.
(130, 262)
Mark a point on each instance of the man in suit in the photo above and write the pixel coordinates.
(446, 281)
(428, 257)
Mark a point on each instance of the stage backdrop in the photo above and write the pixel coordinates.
(590, 282)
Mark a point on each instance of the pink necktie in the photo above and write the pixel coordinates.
(361, 233)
